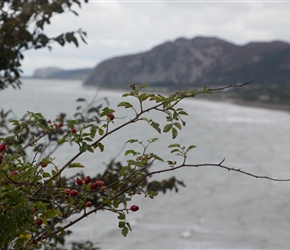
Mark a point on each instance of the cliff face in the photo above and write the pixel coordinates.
(198, 61)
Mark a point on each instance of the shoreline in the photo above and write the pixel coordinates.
(269, 106)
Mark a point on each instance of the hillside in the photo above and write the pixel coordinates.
(197, 62)
(57, 73)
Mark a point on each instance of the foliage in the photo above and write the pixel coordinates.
(22, 25)
(37, 201)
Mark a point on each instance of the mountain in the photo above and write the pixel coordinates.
(57, 73)
(197, 62)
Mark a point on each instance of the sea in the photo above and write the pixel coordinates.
(218, 209)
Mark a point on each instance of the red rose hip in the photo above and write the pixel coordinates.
(93, 186)
(87, 179)
(2, 147)
(74, 192)
(100, 183)
(38, 221)
(134, 208)
(111, 117)
(79, 181)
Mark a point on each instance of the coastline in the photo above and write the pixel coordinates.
(270, 106)
(212, 97)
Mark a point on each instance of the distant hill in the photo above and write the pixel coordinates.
(58, 73)
(197, 62)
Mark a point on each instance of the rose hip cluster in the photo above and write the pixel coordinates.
(86, 181)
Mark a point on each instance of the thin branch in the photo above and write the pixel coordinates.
(230, 86)
(220, 165)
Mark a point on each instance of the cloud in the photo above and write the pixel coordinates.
(121, 28)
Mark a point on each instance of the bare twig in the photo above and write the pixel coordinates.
(230, 86)
(220, 165)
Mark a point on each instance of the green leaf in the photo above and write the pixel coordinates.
(131, 151)
(101, 132)
(177, 124)
(155, 125)
(174, 133)
(122, 217)
(157, 157)
(106, 111)
(101, 146)
(129, 226)
(46, 175)
(125, 231)
(121, 224)
(75, 165)
(125, 104)
(191, 147)
(167, 128)
(174, 145)
(132, 141)
(71, 38)
(175, 150)
(145, 85)
(182, 112)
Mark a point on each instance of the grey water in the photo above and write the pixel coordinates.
(217, 209)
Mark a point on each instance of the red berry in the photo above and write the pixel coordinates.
(73, 130)
(2, 147)
(43, 163)
(33, 210)
(74, 192)
(14, 172)
(100, 183)
(60, 124)
(89, 203)
(49, 121)
(67, 191)
(38, 221)
(87, 179)
(93, 186)
(79, 181)
(111, 117)
(134, 208)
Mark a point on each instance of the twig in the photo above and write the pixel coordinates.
(230, 86)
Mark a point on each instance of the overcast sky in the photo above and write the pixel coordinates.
(118, 28)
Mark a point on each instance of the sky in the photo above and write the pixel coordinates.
(117, 28)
